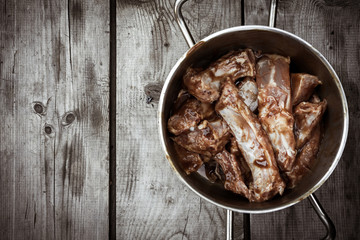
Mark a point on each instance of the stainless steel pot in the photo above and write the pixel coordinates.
(304, 58)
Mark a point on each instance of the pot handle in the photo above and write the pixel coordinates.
(183, 27)
(229, 224)
(330, 228)
(187, 34)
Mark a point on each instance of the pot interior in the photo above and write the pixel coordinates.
(304, 58)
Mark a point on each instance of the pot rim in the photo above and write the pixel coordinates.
(321, 58)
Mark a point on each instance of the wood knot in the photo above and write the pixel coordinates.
(39, 108)
(68, 118)
(153, 91)
(49, 130)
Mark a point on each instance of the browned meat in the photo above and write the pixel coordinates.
(307, 117)
(248, 92)
(233, 178)
(235, 64)
(253, 143)
(302, 87)
(244, 167)
(234, 149)
(189, 115)
(189, 161)
(305, 158)
(207, 139)
(181, 99)
(205, 85)
(273, 81)
(245, 170)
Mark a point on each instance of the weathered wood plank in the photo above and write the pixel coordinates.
(7, 91)
(82, 98)
(256, 12)
(151, 201)
(333, 28)
(54, 147)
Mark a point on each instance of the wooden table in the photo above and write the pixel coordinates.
(80, 156)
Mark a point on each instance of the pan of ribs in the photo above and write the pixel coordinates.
(252, 118)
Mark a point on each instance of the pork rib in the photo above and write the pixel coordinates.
(302, 87)
(273, 81)
(307, 116)
(205, 84)
(209, 138)
(305, 158)
(253, 144)
(189, 161)
(233, 177)
(188, 116)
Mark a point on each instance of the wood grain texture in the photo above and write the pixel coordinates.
(256, 12)
(152, 203)
(333, 28)
(54, 128)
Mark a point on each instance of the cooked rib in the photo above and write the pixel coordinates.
(244, 167)
(233, 178)
(305, 158)
(189, 161)
(235, 64)
(189, 115)
(248, 92)
(207, 139)
(302, 87)
(307, 117)
(253, 144)
(273, 81)
(205, 85)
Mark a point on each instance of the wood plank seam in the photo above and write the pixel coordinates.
(112, 122)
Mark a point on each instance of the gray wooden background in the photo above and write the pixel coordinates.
(80, 156)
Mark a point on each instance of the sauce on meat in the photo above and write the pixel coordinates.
(256, 137)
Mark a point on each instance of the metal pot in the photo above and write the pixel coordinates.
(304, 58)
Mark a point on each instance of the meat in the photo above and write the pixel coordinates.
(273, 81)
(253, 144)
(307, 117)
(188, 116)
(235, 64)
(233, 178)
(305, 158)
(243, 121)
(248, 92)
(302, 87)
(209, 138)
(189, 161)
(205, 84)
(234, 149)
(244, 167)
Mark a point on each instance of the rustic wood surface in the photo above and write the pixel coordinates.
(54, 61)
(55, 66)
